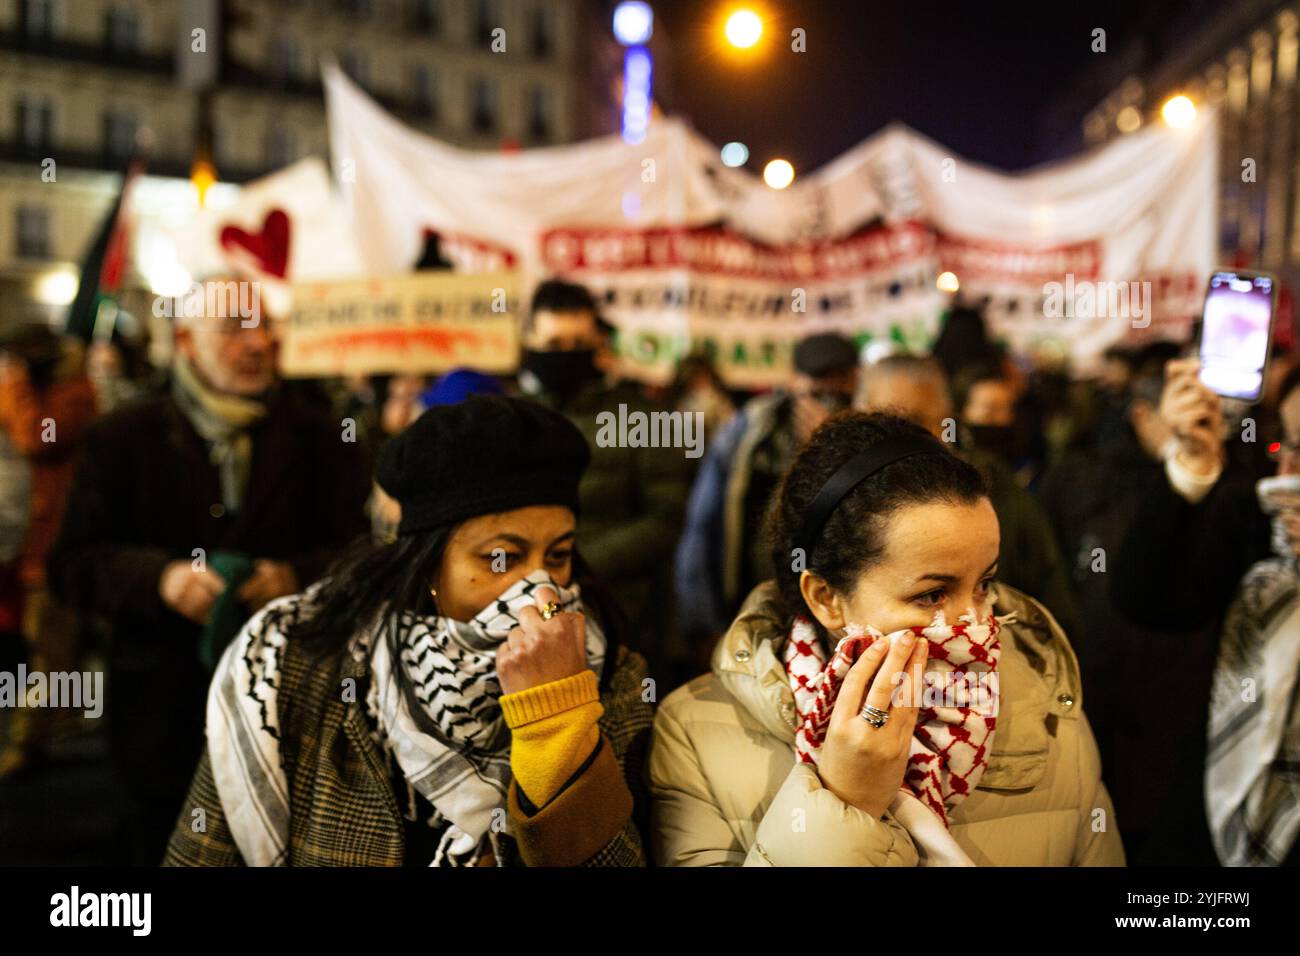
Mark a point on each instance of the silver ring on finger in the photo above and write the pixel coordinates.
(874, 716)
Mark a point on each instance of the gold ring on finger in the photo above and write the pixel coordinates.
(549, 610)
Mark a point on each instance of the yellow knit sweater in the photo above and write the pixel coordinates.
(554, 731)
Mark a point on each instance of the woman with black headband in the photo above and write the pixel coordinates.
(455, 697)
(882, 702)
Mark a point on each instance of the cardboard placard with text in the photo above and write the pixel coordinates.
(422, 323)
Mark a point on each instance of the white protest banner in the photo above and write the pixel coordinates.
(685, 254)
(712, 289)
(286, 227)
(1113, 246)
(426, 322)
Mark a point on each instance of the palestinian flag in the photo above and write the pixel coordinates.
(104, 267)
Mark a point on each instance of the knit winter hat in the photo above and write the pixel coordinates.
(486, 454)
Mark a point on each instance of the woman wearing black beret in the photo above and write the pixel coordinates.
(443, 699)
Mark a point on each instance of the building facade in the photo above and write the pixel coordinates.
(83, 83)
(1242, 61)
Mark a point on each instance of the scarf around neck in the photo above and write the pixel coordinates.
(223, 421)
(954, 728)
(1252, 800)
(434, 711)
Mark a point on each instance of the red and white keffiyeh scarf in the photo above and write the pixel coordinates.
(954, 726)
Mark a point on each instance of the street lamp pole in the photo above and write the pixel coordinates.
(633, 27)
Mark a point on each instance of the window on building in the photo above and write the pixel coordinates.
(119, 134)
(487, 17)
(38, 18)
(543, 32)
(221, 139)
(34, 123)
(356, 65)
(425, 85)
(281, 147)
(428, 17)
(539, 114)
(483, 106)
(32, 232)
(122, 30)
(282, 59)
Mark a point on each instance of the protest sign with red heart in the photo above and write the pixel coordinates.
(269, 247)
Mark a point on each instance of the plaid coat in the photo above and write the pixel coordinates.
(344, 812)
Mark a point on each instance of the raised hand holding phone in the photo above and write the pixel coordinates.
(1236, 332)
(1194, 414)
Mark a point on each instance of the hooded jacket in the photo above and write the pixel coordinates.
(727, 791)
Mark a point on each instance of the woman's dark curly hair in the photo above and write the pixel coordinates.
(852, 540)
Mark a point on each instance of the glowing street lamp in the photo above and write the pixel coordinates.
(637, 73)
(1128, 120)
(1178, 111)
(634, 22)
(203, 175)
(778, 174)
(56, 287)
(743, 29)
(735, 154)
(633, 27)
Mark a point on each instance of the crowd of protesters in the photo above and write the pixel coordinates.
(400, 620)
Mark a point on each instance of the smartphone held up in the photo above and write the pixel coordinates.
(1236, 331)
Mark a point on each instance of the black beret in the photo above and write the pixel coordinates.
(486, 454)
(820, 355)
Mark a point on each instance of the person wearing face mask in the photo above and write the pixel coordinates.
(1217, 544)
(926, 714)
(986, 404)
(916, 388)
(1003, 415)
(489, 713)
(721, 555)
(633, 499)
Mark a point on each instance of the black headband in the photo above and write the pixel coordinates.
(853, 472)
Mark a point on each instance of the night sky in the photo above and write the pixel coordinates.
(987, 79)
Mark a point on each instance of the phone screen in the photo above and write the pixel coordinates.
(1235, 333)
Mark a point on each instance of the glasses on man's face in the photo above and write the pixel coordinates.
(1283, 449)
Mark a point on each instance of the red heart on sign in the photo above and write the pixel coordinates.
(270, 247)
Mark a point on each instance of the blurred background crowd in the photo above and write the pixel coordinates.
(266, 480)
(160, 482)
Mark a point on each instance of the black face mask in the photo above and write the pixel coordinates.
(561, 371)
(1001, 440)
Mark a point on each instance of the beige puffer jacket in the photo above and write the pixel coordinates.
(728, 792)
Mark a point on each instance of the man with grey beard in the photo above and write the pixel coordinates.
(189, 511)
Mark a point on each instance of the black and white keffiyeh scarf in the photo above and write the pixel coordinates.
(1252, 787)
(436, 713)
